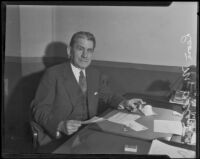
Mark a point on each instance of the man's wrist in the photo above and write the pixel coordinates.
(60, 129)
(60, 126)
(122, 105)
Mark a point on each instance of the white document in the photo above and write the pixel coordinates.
(121, 117)
(193, 140)
(160, 148)
(136, 126)
(127, 120)
(94, 119)
(168, 126)
(148, 110)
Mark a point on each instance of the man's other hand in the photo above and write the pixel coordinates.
(70, 126)
(132, 104)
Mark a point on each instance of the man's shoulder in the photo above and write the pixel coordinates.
(57, 69)
(93, 70)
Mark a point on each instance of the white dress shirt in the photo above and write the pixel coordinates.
(76, 72)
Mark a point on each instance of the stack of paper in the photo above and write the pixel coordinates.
(148, 110)
(136, 126)
(123, 117)
(180, 97)
(127, 120)
(168, 126)
(160, 148)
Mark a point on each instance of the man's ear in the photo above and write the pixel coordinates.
(68, 51)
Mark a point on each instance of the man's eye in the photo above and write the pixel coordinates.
(90, 50)
(79, 48)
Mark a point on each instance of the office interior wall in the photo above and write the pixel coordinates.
(12, 36)
(146, 35)
(12, 68)
(36, 34)
(12, 74)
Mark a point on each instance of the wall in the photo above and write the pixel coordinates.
(13, 117)
(147, 35)
(12, 67)
(12, 46)
(36, 34)
(12, 39)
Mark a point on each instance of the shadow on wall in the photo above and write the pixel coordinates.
(159, 85)
(55, 53)
(160, 88)
(17, 113)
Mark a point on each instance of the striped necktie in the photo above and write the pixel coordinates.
(82, 82)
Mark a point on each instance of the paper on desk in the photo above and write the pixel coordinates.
(160, 148)
(121, 117)
(94, 119)
(168, 126)
(127, 120)
(148, 110)
(136, 126)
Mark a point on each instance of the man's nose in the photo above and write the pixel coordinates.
(85, 53)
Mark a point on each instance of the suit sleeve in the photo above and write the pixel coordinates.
(107, 95)
(42, 104)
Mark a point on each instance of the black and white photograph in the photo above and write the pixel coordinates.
(94, 78)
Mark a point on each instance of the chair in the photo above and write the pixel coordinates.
(39, 137)
(43, 143)
(34, 132)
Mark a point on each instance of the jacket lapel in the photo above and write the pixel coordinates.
(70, 84)
(74, 91)
(91, 88)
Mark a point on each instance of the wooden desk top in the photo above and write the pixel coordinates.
(90, 140)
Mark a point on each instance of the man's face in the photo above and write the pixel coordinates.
(81, 53)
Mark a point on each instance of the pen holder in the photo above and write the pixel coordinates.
(189, 86)
(189, 127)
(188, 134)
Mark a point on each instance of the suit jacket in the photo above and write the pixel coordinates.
(57, 95)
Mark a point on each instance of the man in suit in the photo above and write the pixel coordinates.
(69, 92)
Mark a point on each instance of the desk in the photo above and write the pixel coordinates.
(90, 140)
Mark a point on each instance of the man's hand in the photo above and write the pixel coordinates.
(69, 127)
(132, 104)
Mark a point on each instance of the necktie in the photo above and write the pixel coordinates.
(82, 82)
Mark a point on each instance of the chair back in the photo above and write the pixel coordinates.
(40, 138)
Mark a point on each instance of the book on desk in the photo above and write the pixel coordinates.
(179, 97)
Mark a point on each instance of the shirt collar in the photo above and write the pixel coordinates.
(76, 70)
